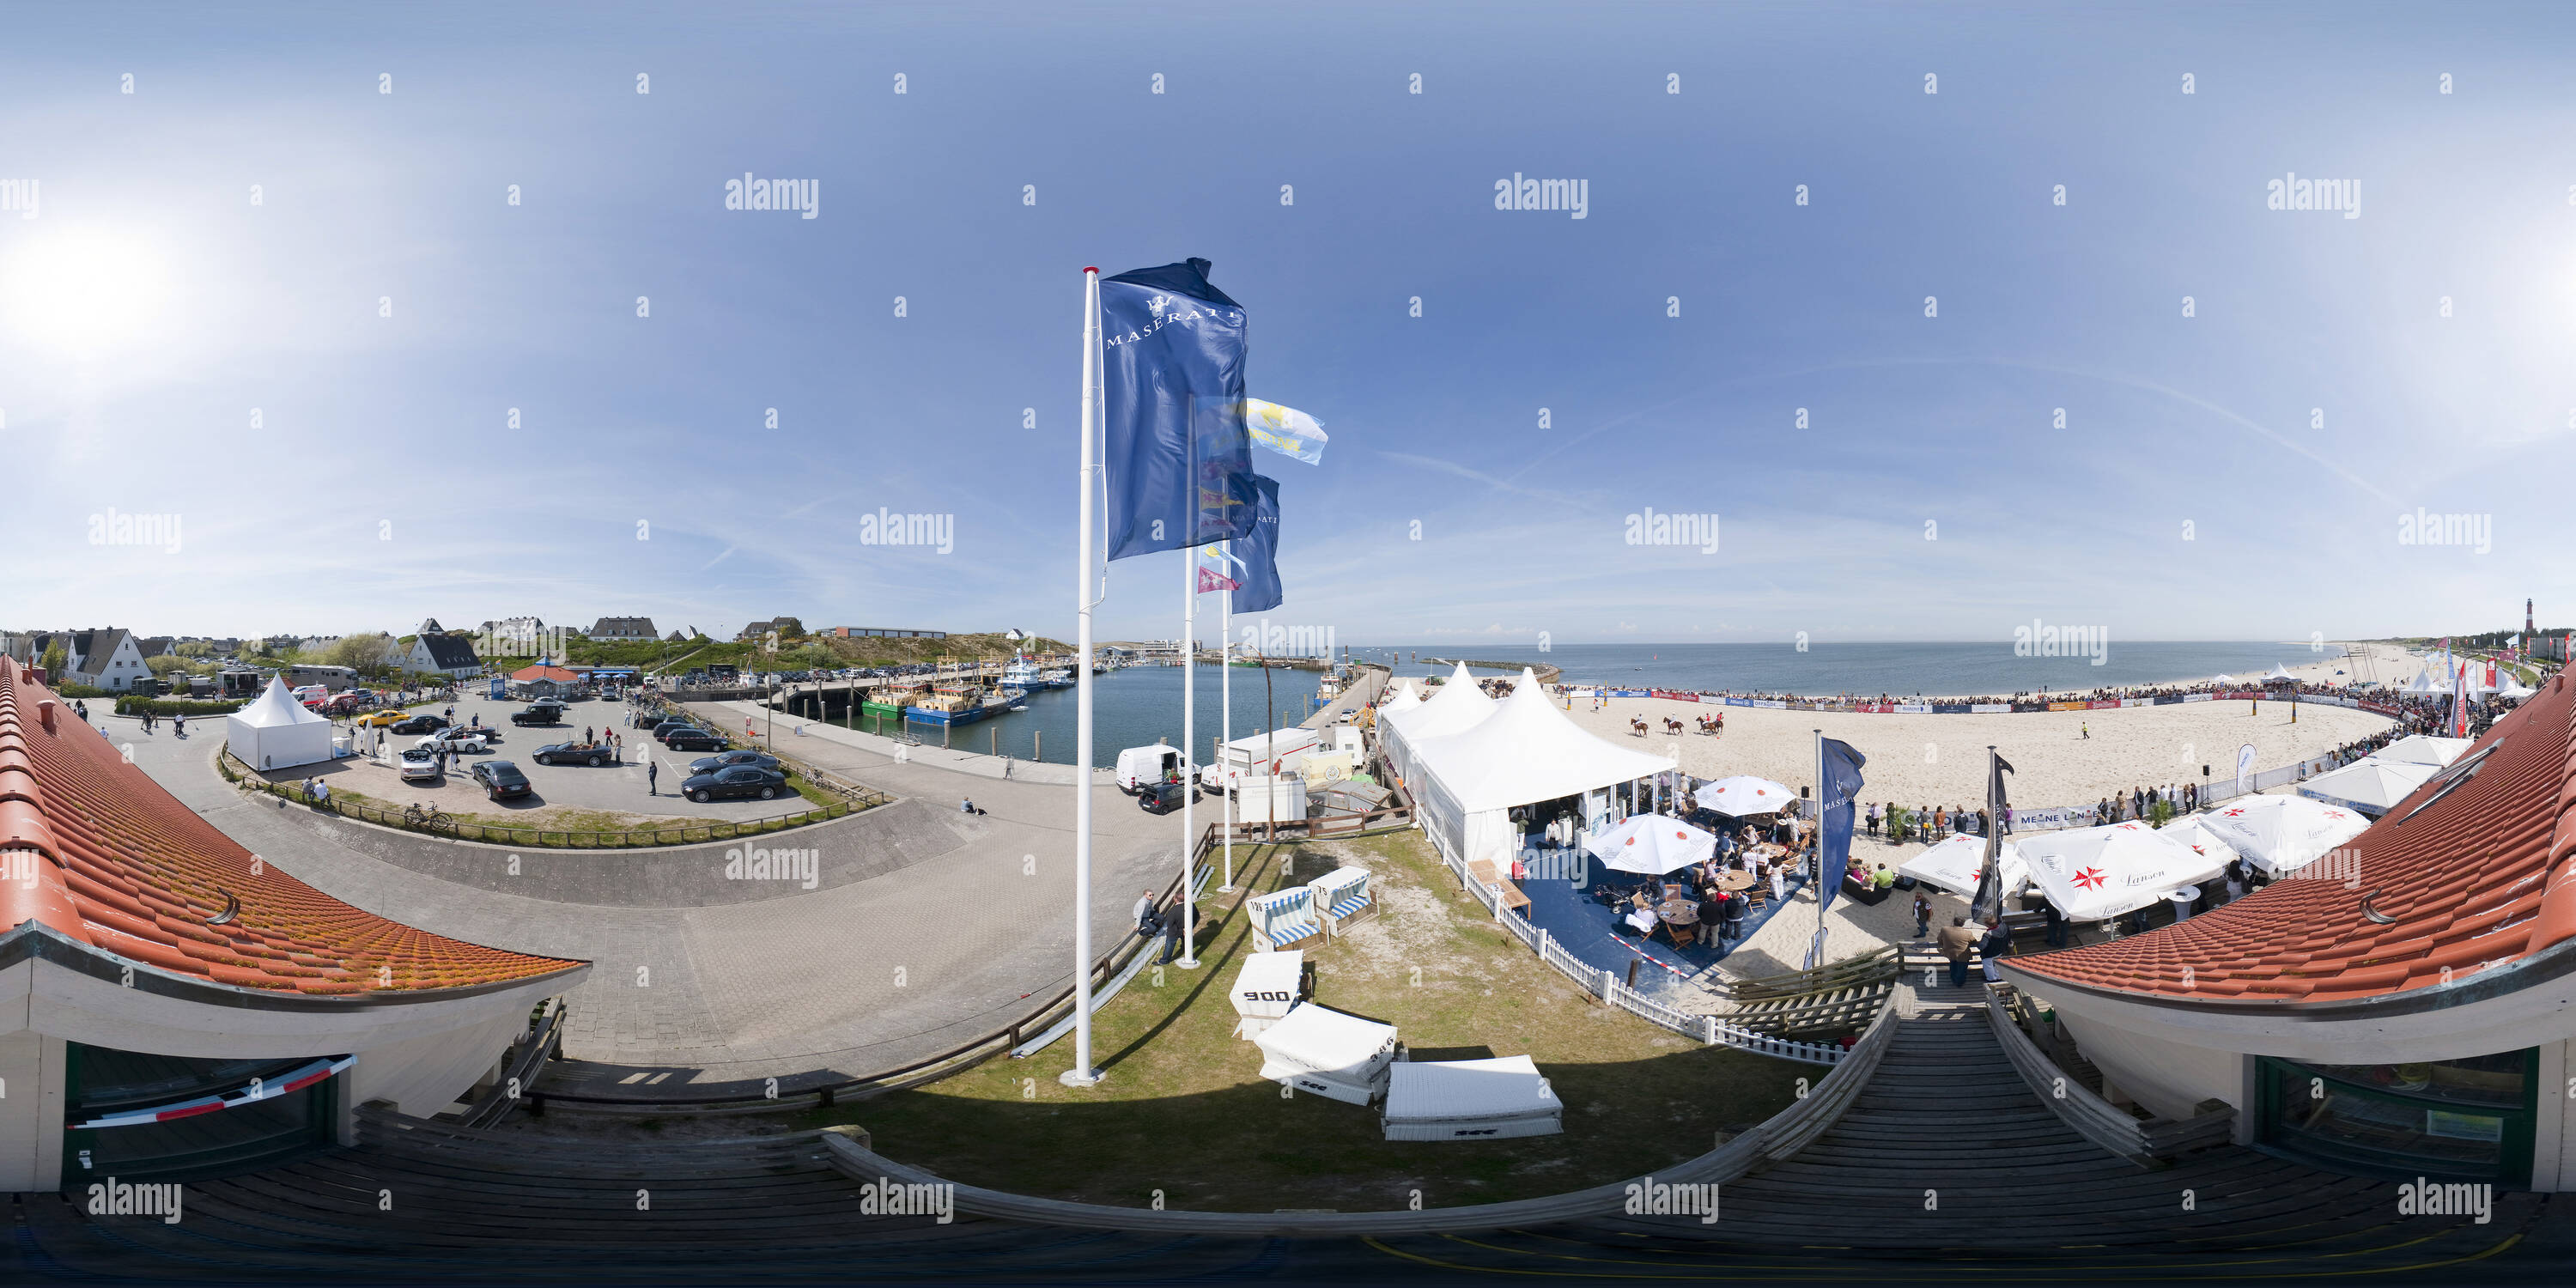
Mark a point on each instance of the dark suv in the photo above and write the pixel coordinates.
(539, 713)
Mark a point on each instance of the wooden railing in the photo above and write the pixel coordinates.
(2149, 1143)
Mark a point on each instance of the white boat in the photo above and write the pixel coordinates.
(1022, 674)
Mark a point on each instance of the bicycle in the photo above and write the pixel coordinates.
(432, 818)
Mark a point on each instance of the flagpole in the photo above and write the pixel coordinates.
(1189, 958)
(1225, 680)
(1082, 1074)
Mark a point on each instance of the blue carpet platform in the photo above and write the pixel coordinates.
(1586, 929)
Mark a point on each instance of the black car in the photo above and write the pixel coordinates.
(647, 719)
(422, 723)
(570, 753)
(540, 713)
(735, 782)
(692, 740)
(500, 779)
(727, 760)
(1160, 798)
(668, 724)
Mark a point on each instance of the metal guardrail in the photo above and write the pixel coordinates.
(2149, 1143)
(519, 1070)
(1775, 1138)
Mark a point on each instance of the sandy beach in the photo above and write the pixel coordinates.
(1940, 759)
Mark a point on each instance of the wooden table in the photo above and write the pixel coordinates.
(1678, 912)
(1733, 880)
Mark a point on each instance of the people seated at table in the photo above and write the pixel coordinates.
(1882, 879)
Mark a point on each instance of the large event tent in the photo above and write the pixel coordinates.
(2370, 784)
(1458, 705)
(2096, 873)
(1525, 752)
(1959, 863)
(275, 731)
(2424, 749)
(2282, 834)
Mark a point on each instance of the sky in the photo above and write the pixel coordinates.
(342, 319)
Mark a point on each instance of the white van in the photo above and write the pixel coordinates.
(1140, 767)
(1261, 754)
(308, 692)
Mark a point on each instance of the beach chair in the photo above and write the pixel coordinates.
(1343, 895)
(1285, 919)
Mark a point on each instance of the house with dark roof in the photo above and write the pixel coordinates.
(104, 658)
(448, 655)
(2405, 1007)
(172, 1005)
(623, 628)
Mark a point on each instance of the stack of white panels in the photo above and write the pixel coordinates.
(1470, 1100)
(1327, 1053)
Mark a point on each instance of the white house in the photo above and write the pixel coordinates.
(106, 658)
(448, 655)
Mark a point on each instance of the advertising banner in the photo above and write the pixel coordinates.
(2111, 704)
(1989, 708)
(1913, 709)
(2066, 706)
(1675, 695)
(2051, 817)
(1769, 704)
(1950, 708)
(2194, 697)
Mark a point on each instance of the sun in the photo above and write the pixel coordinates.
(81, 291)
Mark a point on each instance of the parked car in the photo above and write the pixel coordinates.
(539, 713)
(419, 766)
(571, 753)
(500, 779)
(455, 742)
(422, 723)
(380, 719)
(728, 759)
(1161, 798)
(693, 740)
(648, 719)
(735, 782)
(664, 726)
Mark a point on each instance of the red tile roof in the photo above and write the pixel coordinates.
(2478, 878)
(97, 851)
(555, 673)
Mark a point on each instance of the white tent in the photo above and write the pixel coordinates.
(1328, 1053)
(1405, 699)
(2424, 749)
(1957, 864)
(1651, 844)
(2096, 873)
(2222, 679)
(275, 731)
(2513, 691)
(1744, 796)
(2425, 683)
(2282, 834)
(2370, 784)
(2279, 672)
(1525, 752)
(1458, 705)
(1469, 1100)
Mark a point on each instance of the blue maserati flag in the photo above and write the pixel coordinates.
(1836, 795)
(1260, 553)
(1179, 460)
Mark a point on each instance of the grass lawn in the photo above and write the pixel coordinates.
(1182, 1110)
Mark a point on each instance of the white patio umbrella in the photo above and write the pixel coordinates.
(2096, 873)
(1956, 865)
(2191, 831)
(2282, 834)
(1744, 796)
(2370, 784)
(1652, 844)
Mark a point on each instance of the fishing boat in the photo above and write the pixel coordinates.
(1022, 674)
(890, 702)
(956, 703)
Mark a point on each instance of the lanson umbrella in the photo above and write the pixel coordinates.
(1652, 844)
(1957, 864)
(1744, 796)
(2282, 834)
(2097, 873)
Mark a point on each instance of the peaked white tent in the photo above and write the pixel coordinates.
(1458, 705)
(2282, 834)
(275, 731)
(2222, 679)
(1651, 844)
(2425, 683)
(2424, 749)
(2513, 691)
(2370, 784)
(1956, 865)
(1525, 752)
(2096, 873)
(2278, 672)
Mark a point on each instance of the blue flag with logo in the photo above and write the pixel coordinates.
(1178, 457)
(1841, 789)
(1258, 552)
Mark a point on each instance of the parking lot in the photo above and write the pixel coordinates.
(619, 788)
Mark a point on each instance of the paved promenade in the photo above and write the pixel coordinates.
(940, 927)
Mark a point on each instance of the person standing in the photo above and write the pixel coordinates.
(652, 777)
(1992, 948)
(1956, 942)
(1922, 914)
(2056, 922)
(1712, 919)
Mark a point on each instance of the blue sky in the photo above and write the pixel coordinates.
(150, 306)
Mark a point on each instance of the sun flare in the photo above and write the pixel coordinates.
(81, 291)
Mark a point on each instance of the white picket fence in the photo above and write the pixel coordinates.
(1604, 984)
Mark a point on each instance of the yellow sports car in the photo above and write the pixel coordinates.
(379, 719)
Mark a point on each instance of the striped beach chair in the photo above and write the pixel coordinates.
(1285, 919)
(1343, 895)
